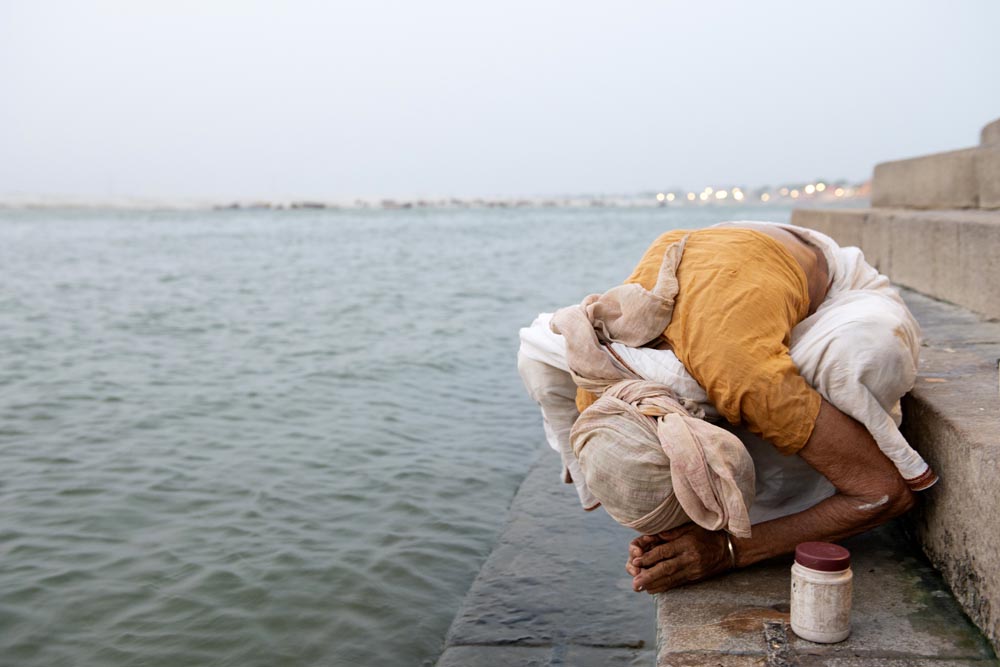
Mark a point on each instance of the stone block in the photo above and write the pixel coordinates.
(556, 584)
(990, 133)
(596, 656)
(952, 417)
(491, 656)
(923, 252)
(988, 175)
(940, 181)
(949, 255)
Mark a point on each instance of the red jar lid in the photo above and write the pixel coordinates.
(822, 556)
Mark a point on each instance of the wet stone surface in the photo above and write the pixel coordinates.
(554, 591)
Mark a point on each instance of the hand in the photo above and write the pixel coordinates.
(666, 560)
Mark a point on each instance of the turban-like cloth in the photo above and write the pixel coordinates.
(645, 453)
(654, 466)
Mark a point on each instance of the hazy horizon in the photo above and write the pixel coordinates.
(304, 100)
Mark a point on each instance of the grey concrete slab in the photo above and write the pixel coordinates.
(988, 176)
(940, 181)
(494, 656)
(990, 133)
(556, 578)
(589, 656)
(952, 417)
(962, 179)
(901, 610)
(546, 656)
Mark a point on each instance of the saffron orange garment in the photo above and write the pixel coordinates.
(740, 294)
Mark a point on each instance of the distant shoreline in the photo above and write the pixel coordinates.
(853, 195)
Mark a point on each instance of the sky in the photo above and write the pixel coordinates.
(333, 100)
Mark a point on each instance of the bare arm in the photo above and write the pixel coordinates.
(869, 493)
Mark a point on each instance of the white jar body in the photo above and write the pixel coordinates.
(821, 604)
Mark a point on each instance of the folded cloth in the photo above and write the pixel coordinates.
(859, 350)
(554, 391)
(655, 467)
(627, 314)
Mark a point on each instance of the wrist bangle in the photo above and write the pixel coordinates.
(732, 552)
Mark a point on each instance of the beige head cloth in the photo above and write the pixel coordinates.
(628, 314)
(654, 467)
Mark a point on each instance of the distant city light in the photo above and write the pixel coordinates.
(757, 194)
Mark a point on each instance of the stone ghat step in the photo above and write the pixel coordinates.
(962, 179)
(968, 178)
(952, 417)
(554, 591)
(990, 133)
(950, 255)
(902, 614)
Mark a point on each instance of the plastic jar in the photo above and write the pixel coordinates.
(821, 592)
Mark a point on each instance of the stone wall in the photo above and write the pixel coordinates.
(962, 179)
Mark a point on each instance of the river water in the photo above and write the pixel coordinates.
(272, 437)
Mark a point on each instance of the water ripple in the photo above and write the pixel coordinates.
(269, 438)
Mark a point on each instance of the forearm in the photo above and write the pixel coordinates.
(870, 491)
(836, 518)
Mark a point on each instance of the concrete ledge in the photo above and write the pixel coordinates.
(525, 656)
(554, 591)
(988, 175)
(952, 417)
(950, 255)
(942, 180)
(902, 614)
(968, 178)
(990, 133)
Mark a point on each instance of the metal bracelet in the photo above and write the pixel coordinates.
(732, 552)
